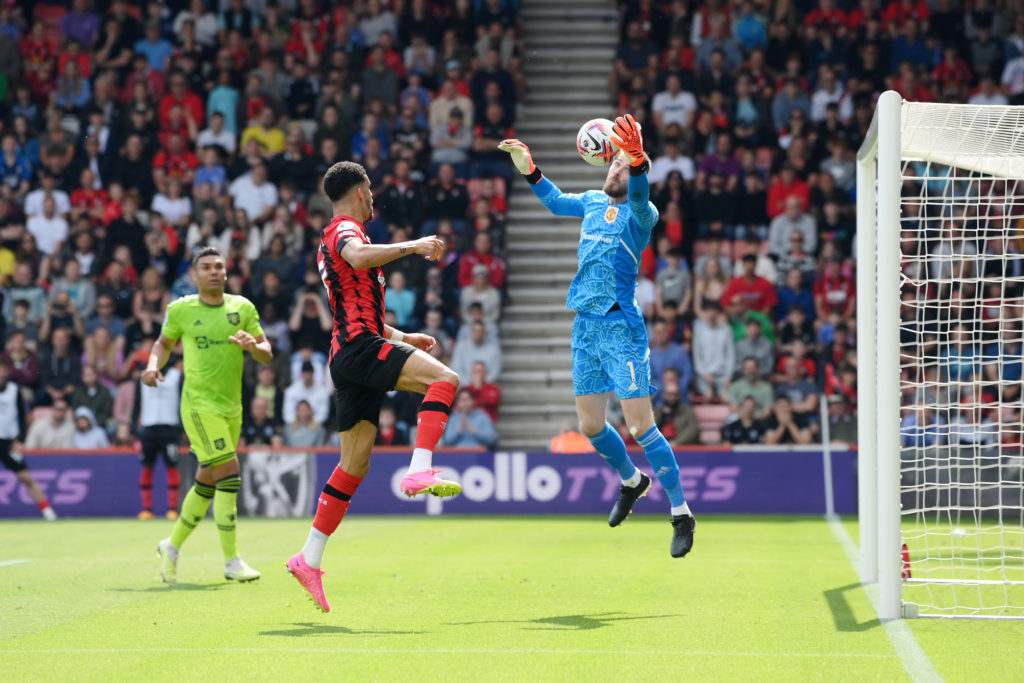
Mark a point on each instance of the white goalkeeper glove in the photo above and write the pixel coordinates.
(520, 154)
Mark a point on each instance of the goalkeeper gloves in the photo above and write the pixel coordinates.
(626, 136)
(520, 154)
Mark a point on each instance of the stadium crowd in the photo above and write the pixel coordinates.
(753, 112)
(133, 134)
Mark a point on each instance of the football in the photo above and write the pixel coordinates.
(594, 144)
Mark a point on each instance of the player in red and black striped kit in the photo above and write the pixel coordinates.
(367, 360)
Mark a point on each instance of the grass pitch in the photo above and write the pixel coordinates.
(485, 599)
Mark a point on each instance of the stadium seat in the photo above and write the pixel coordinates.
(710, 418)
(40, 413)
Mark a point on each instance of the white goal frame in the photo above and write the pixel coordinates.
(879, 183)
(878, 325)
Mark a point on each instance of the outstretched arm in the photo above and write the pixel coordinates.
(628, 138)
(553, 199)
(361, 255)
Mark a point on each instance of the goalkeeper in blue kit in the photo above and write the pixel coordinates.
(609, 339)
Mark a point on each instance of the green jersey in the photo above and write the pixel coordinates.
(213, 365)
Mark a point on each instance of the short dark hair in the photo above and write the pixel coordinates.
(342, 177)
(205, 251)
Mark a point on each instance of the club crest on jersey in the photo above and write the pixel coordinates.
(610, 214)
(380, 279)
(233, 318)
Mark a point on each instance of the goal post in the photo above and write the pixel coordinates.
(940, 347)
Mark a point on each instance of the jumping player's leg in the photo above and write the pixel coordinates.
(591, 411)
(358, 409)
(592, 385)
(424, 374)
(640, 420)
(356, 447)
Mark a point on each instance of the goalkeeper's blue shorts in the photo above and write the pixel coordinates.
(610, 355)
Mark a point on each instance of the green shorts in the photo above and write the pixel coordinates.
(214, 438)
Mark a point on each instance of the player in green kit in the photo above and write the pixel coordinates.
(215, 330)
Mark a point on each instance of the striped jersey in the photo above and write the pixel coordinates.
(356, 296)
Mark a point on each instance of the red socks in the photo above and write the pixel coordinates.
(43, 504)
(173, 483)
(333, 503)
(433, 415)
(146, 487)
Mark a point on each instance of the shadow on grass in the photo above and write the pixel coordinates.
(308, 628)
(843, 615)
(570, 622)
(164, 587)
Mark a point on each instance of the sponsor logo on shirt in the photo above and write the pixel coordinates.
(596, 238)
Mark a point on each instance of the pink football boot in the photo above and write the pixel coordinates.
(427, 481)
(310, 581)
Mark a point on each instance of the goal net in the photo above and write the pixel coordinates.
(941, 333)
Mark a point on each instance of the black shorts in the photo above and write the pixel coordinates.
(159, 441)
(12, 461)
(364, 371)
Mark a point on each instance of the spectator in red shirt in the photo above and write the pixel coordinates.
(73, 51)
(143, 73)
(787, 184)
(180, 94)
(87, 200)
(827, 15)
(898, 11)
(486, 395)
(179, 124)
(390, 432)
(304, 44)
(858, 17)
(36, 49)
(834, 293)
(482, 253)
(177, 161)
(749, 292)
(798, 352)
(952, 75)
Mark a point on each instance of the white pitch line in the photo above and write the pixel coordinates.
(915, 661)
(8, 563)
(388, 651)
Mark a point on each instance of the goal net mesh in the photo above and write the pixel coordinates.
(961, 359)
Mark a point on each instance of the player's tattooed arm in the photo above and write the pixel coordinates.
(361, 255)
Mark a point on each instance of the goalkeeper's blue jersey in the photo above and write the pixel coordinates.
(612, 238)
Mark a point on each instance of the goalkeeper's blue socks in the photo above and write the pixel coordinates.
(612, 448)
(663, 461)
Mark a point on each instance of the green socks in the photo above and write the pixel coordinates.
(193, 509)
(225, 508)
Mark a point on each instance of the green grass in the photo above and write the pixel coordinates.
(524, 599)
